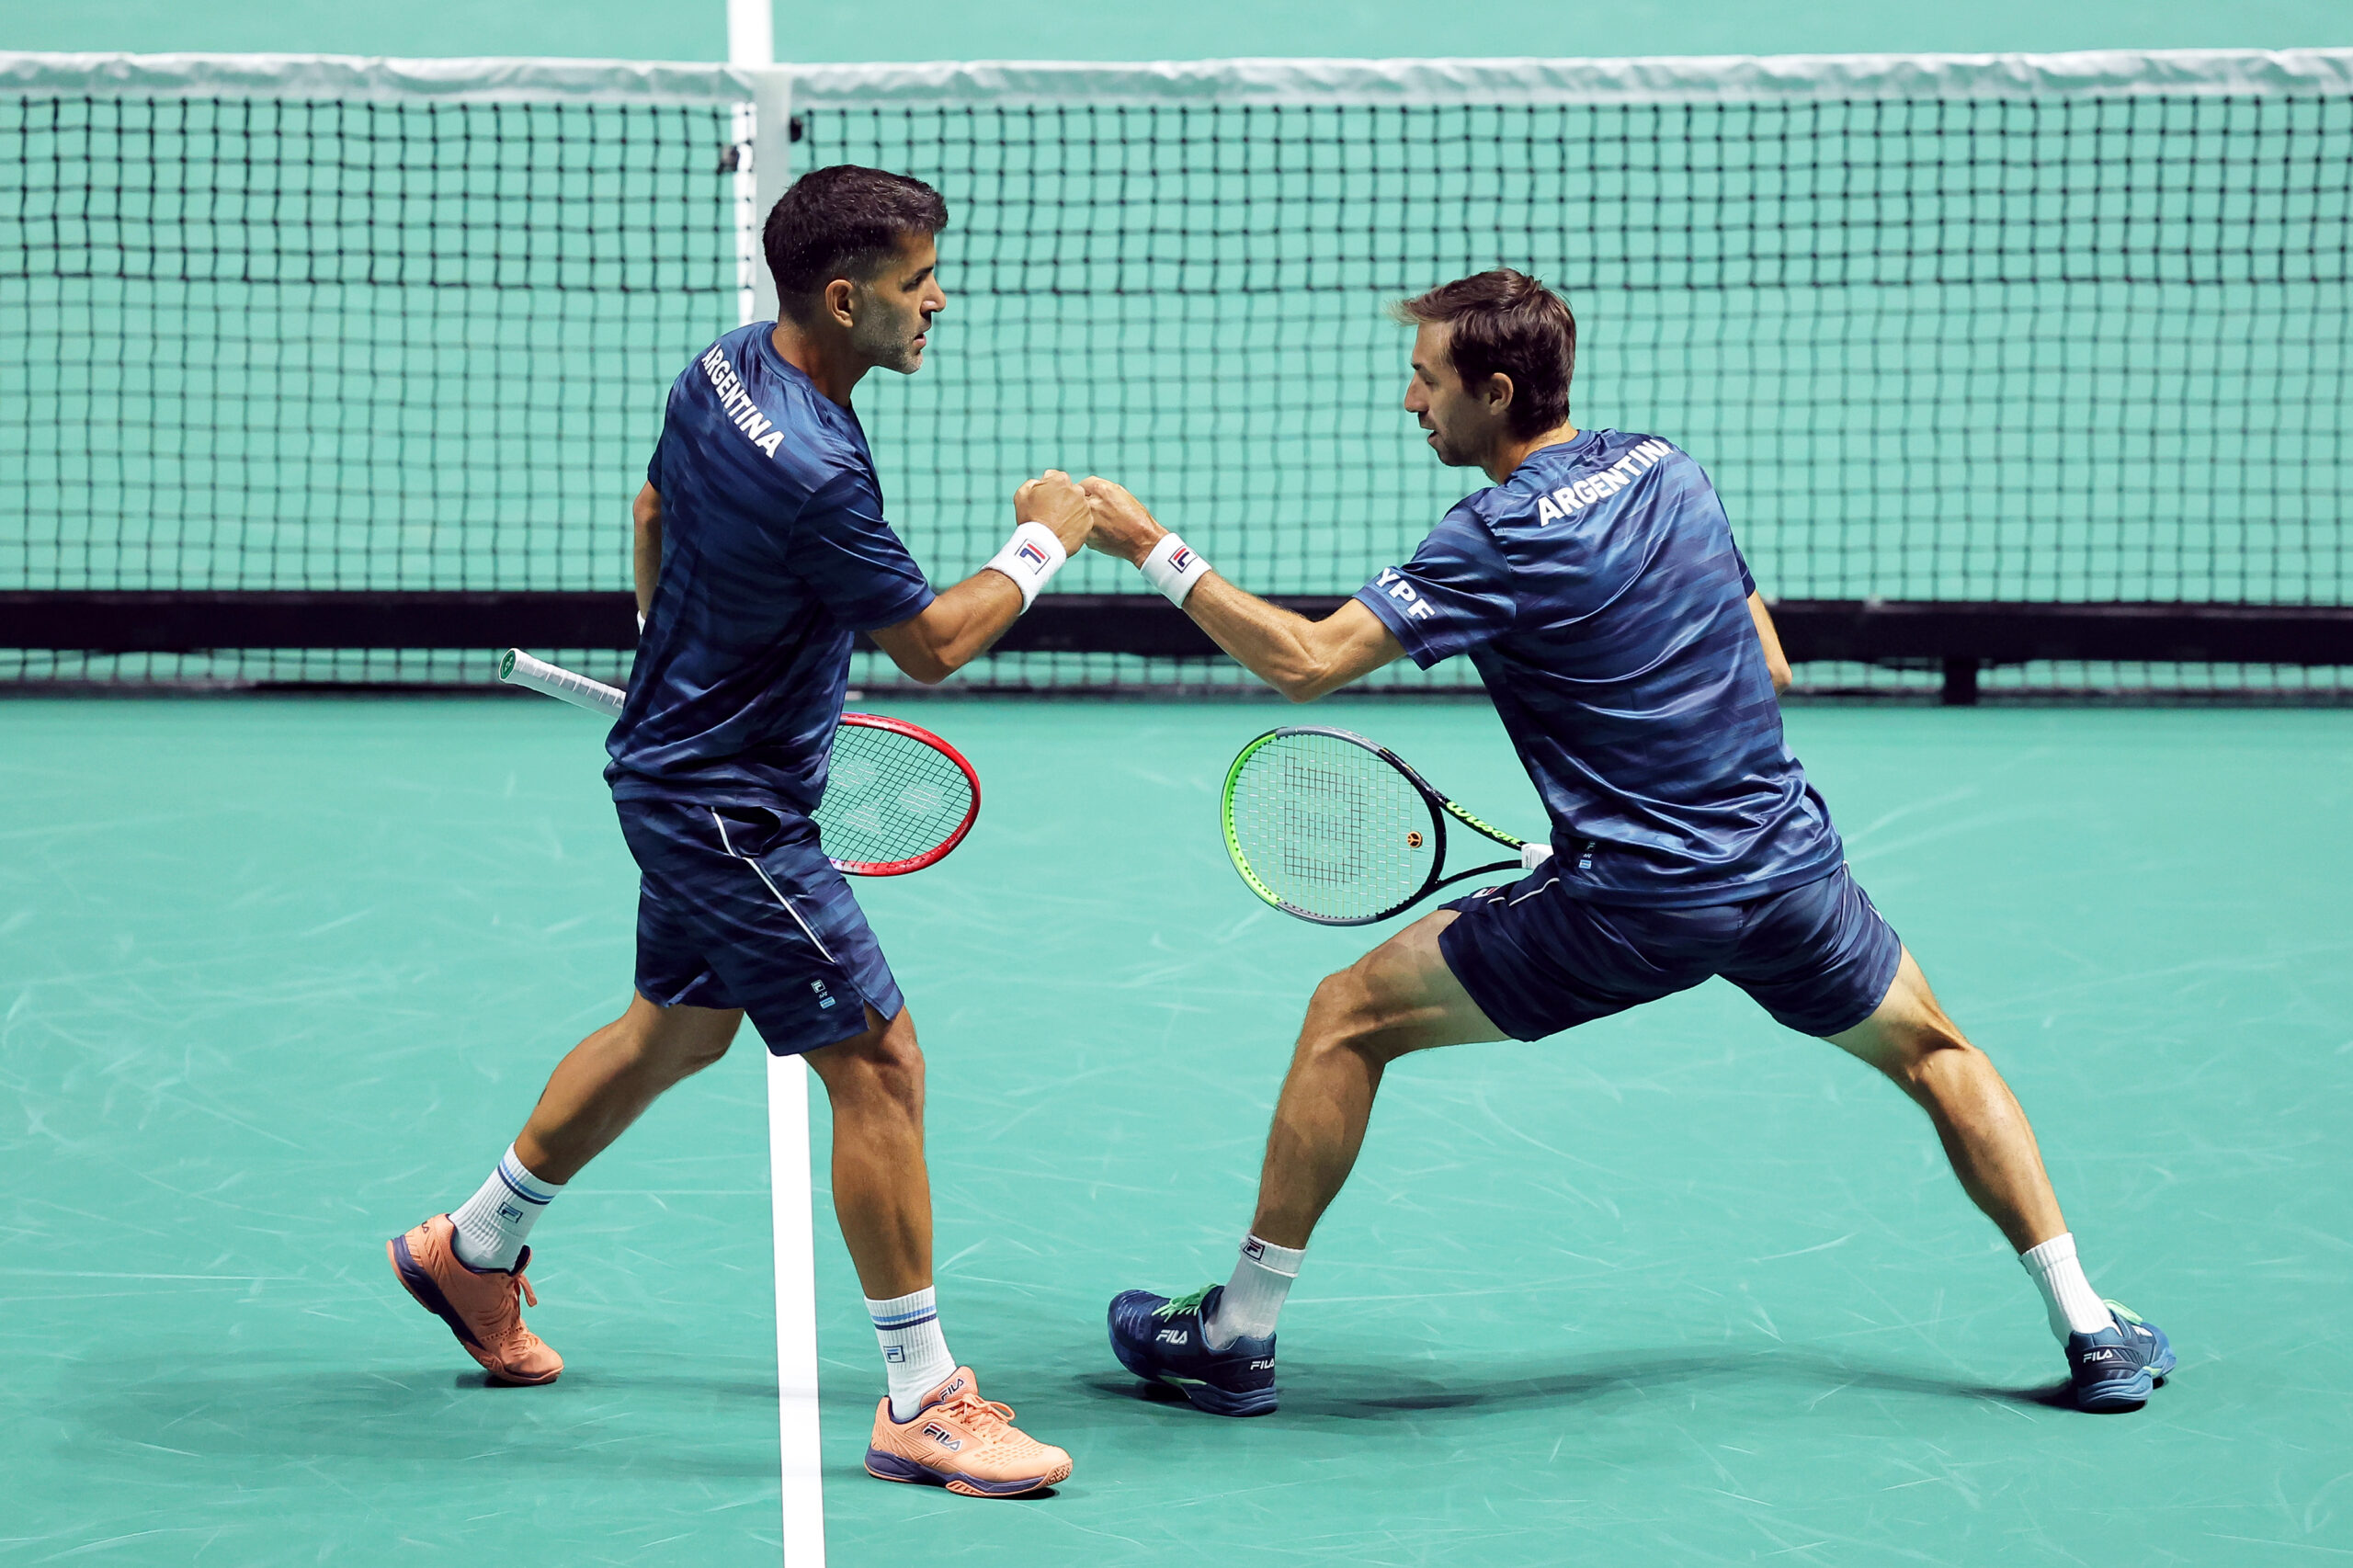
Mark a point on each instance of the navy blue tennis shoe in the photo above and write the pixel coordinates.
(1162, 1341)
(2117, 1368)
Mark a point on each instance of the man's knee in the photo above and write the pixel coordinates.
(1920, 1052)
(1347, 1014)
(678, 1041)
(883, 1065)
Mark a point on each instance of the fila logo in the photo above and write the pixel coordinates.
(1172, 1336)
(509, 1212)
(942, 1435)
(1262, 1366)
(895, 1353)
(1254, 1250)
(1032, 554)
(1180, 560)
(825, 997)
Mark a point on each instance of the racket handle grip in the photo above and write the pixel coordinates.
(519, 668)
(1534, 854)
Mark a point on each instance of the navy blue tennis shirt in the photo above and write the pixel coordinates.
(774, 553)
(1599, 593)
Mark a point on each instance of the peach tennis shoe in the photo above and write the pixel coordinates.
(962, 1442)
(477, 1304)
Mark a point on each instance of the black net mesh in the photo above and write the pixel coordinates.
(2065, 349)
(259, 344)
(2077, 350)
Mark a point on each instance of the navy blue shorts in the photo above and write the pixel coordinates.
(738, 907)
(1819, 958)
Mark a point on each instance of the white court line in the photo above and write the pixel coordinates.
(751, 41)
(796, 1313)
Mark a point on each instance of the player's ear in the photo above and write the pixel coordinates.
(837, 296)
(1498, 395)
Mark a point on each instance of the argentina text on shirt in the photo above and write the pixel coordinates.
(736, 404)
(1608, 481)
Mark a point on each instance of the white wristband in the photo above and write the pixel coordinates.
(1173, 569)
(1030, 558)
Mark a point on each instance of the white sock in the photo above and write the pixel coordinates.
(1253, 1297)
(914, 1353)
(493, 1221)
(2074, 1305)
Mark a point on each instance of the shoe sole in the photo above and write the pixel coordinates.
(885, 1466)
(1223, 1402)
(421, 1288)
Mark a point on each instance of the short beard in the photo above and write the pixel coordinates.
(1450, 455)
(893, 353)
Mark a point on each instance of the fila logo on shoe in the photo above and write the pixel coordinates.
(1262, 1366)
(1173, 1337)
(942, 1435)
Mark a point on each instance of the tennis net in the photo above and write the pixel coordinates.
(2020, 372)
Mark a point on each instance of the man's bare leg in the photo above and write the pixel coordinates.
(1396, 999)
(466, 1266)
(1217, 1345)
(874, 1080)
(881, 1186)
(1984, 1133)
(2115, 1360)
(606, 1081)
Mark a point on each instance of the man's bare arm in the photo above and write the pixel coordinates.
(645, 548)
(954, 629)
(964, 622)
(1300, 658)
(1776, 664)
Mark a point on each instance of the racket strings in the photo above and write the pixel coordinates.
(889, 797)
(1330, 827)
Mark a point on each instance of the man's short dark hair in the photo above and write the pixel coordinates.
(1508, 321)
(842, 222)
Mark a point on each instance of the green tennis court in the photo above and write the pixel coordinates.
(279, 971)
(1677, 1288)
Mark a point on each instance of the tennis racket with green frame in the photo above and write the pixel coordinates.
(1337, 829)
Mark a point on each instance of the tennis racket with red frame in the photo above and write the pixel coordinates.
(898, 799)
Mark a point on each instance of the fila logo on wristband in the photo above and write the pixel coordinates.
(1030, 558)
(1174, 569)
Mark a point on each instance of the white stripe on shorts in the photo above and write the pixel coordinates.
(761, 872)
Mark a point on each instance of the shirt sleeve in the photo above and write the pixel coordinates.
(852, 558)
(1455, 595)
(1747, 578)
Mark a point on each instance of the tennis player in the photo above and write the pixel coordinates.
(761, 549)
(1597, 588)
